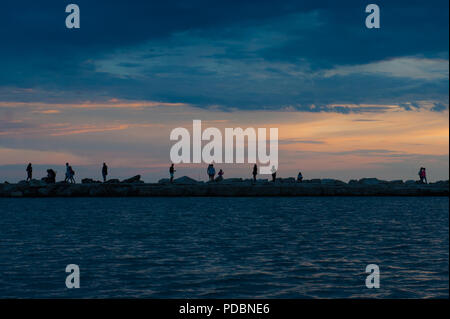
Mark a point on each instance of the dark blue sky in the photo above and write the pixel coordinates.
(305, 55)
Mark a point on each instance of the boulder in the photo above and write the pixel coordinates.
(185, 180)
(164, 181)
(369, 181)
(112, 181)
(36, 183)
(89, 181)
(396, 182)
(330, 181)
(287, 180)
(134, 179)
(17, 194)
(232, 180)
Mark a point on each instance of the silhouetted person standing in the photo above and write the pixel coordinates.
(29, 172)
(67, 177)
(104, 172)
(274, 174)
(255, 172)
(172, 172)
(211, 171)
(299, 177)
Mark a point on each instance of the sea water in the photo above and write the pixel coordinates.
(276, 247)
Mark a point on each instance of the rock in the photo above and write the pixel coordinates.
(44, 191)
(369, 181)
(17, 194)
(286, 180)
(232, 180)
(185, 180)
(89, 181)
(353, 182)
(410, 182)
(36, 183)
(164, 181)
(112, 181)
(134, 179)
(396, 182)
(329, 181)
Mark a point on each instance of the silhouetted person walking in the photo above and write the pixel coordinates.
(423, 175)
(70, 173)
(255, 172)
(29, 172)
(104, 172)
(172, 172)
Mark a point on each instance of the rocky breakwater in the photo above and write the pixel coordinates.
(232, 187)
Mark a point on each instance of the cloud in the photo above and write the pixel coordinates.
(238, 55)
(405, 67)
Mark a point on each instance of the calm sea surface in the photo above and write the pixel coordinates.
(305, 247)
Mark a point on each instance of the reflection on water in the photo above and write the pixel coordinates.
(304, 247)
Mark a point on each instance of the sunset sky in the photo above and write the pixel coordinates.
(349, 102)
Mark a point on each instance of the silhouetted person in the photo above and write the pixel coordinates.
(29, 172)
(67, 177)
(51, 177)
(172, 172)
(299, 177)
(104, 172)
(255, 172)
(71, 174)
(211, 171)
(423, 175)
(219, 176)
(274, 174)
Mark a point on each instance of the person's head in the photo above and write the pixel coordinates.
(172, 165)
(67, 164)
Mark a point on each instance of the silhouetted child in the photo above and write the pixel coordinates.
(29, 172)
(219, 176)
(300, 177)
(274, 174)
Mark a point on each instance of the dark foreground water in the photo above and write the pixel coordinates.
(224, 247)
